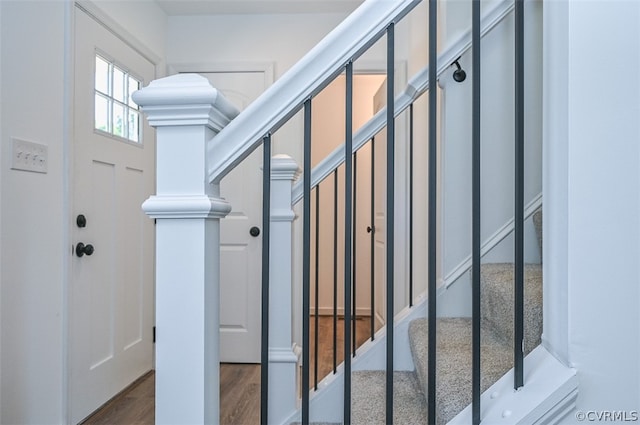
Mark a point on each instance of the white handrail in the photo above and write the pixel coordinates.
(286, 96)
(416, 87)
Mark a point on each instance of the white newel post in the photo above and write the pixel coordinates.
(283, 361)
(187, 113)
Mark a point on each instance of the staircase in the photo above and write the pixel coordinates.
(188, 114)
(453, 386)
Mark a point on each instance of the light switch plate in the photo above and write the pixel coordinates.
(29, 156)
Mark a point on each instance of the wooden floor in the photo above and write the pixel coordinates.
(239, 384)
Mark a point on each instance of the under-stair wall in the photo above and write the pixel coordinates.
(497, 93)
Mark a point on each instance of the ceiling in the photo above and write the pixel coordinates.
(216, 7)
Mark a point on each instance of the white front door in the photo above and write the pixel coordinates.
(111, 285)
(240, 256)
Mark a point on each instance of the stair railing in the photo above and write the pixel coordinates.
(192, 158)
(188, 115)
(416, 87)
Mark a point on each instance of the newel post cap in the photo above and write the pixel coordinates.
(284, 167)
(185, 99)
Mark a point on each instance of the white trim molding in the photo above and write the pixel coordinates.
(189, 206)
(267, 68)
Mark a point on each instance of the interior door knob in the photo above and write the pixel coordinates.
(254, 231)
(82, 249)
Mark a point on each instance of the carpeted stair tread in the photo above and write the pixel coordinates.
(368, 398)
(497, 302)
(453, 380)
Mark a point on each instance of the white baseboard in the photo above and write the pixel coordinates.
(328, 311)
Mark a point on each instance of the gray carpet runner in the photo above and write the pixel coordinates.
(453, 380)
(368, 399)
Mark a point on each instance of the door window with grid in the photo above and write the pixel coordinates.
(115, 111)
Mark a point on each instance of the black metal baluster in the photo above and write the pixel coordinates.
(306, 260)
(475, 228)
(348, 215)
(432, 248)
(266, 227)
(355, 245)
(317, 292)
(411, 205)
(518, 343)
(335, 271)
(390, 243)
(372, 231)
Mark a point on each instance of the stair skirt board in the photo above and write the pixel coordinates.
(549, 394)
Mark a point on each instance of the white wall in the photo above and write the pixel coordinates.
(35, 65)
(33, 253)
(591, 143)
(140, 20)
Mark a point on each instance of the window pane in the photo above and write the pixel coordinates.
(102, 113)
(133, 86)
(134, 125)
(119, 122)
(102, 75)
(118, 84)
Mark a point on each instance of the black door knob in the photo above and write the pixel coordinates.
(81, 221)
(82, 249)
(369, 229)
(254, 231)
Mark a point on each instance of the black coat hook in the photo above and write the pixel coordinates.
(458, 75)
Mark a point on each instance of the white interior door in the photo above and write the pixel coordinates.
(111, 288)
(380, 164)
(240, 256)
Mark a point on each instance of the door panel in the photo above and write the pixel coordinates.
(111, 290)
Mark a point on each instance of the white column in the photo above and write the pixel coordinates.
(555, 179)
(187, 113)
(283, 361)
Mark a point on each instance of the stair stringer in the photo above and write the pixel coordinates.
(326, 404)
(549, 394)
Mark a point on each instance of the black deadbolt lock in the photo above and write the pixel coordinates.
(81, 221)
(254, 231)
